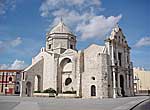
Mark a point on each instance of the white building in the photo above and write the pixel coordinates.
(95, 72)
(141, 81)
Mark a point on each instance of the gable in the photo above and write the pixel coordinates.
(95, 48)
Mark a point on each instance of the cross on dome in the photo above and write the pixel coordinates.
(60, 28)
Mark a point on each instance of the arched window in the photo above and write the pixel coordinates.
(10, 78)
(49, 46)
(93, 90)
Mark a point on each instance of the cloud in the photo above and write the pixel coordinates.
(82, 16)
(7, 44)
(97, 26)
(70, 17)
(145, 41)
(6, 5)
(79, 5)
(17, 64)
(16, 42)
(88, 24)
(3, 66)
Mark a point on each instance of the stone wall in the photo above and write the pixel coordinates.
(36, 69)
(95, 65)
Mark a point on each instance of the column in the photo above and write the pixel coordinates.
(113, 70)
(127, 83)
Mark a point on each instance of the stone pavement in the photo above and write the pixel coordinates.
(38, 103)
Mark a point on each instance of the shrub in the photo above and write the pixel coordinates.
(37, 91)
(69, 92)
(49, 90)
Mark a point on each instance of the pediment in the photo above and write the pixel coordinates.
(95, 47)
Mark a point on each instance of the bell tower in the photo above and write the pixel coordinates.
(60, 38)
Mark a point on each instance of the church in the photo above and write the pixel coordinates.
(95, 72)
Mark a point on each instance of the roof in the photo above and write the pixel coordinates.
(117, 28)
(95, 47)
(60, 28)
(11, 70)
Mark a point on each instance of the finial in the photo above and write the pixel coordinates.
(61, 19)
(116, 27)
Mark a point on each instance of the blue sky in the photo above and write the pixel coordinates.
(23, 26)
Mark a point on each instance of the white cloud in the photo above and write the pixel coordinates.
(17, 64)
(11, 43)
(2, 10)
(16, 42)
(48, 5)
(75, 2)
(4, 66)
(6, 5)
(97, 2)
(7, 44)
(98, 26)
(52, 5)
(88, 24)
(69, 17)
(81, 15)
(145, 41)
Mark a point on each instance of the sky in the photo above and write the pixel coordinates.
(23, 26)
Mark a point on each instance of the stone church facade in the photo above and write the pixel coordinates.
(95, 72)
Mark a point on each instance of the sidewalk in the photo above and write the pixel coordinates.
(38, 103)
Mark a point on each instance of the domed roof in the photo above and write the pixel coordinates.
(60, 28)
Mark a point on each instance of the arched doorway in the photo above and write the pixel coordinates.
(93, 90)
(28, 89)
(17, 90)
(122, 85)
(37, 81)
(65, 75)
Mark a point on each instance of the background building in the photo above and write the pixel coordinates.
(141, 81)
(95, 72)
(10, 82)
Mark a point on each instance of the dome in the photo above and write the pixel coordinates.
(60, 28)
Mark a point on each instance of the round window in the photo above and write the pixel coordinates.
(93, 78)
(68, 81)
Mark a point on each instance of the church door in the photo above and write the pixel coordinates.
(28, 89)
(122, 85)
(93, 90)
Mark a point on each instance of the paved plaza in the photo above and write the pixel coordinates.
(38, 103)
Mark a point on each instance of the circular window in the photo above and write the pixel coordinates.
(93, 78)
(68, 81)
